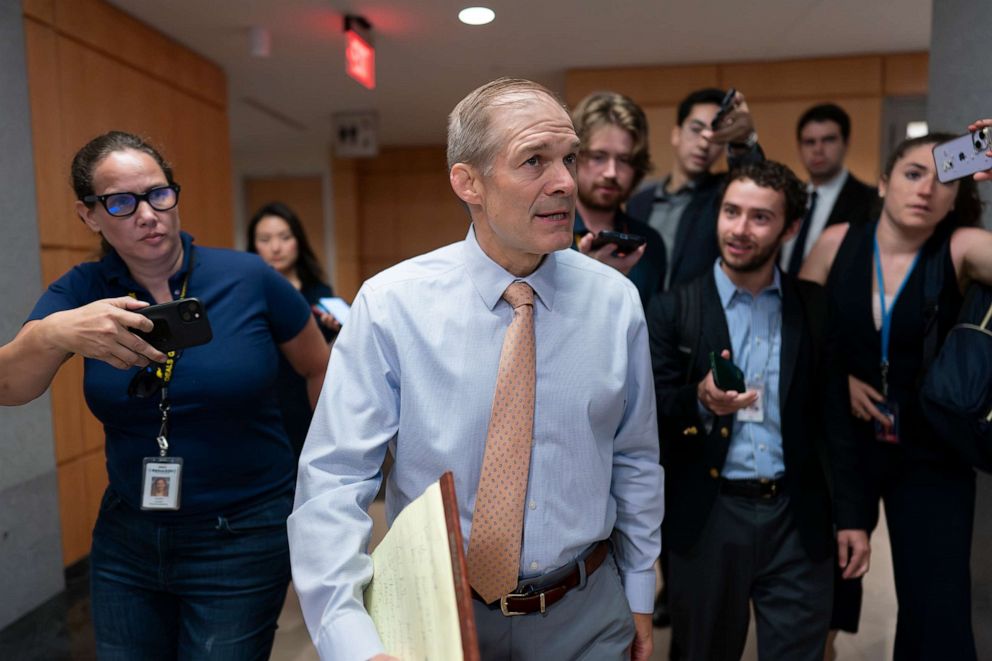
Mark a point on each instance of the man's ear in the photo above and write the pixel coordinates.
(85, 214)
(676, 134)
(466, 183)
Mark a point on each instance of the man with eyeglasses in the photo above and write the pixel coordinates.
(683, 206)
(614, 158)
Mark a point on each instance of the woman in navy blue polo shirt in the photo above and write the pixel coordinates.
(200, 569)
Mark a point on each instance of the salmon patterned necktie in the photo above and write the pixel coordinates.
(497, 524)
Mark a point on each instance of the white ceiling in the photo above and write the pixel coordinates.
(426, 60)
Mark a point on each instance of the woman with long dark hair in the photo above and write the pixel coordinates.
(276, 234)
(875, 275)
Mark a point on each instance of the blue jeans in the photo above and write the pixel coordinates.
(211, 589)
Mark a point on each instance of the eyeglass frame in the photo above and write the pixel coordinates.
(138, 199)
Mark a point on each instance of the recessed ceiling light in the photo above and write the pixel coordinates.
(476, 15)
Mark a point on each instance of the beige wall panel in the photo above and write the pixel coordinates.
(43, 10)
(76, 529)
(57, 261)
(849, 76)
(304, 195)
(776, 123)
(907, 75)
(51, 172)
(649, 86)
(105, 28)
(347, 275)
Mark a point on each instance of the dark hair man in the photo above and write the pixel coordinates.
(543, 479)
(683, 206)
(836, 196)
(612, 162)
(757, 500)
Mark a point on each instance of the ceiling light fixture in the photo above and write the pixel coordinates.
(476, 15)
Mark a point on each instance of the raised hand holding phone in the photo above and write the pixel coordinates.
(719, 401)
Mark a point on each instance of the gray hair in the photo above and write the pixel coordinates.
(470, 139)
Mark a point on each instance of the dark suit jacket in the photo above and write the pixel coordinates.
(821, 458)
(855, 203)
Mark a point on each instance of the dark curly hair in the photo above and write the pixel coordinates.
(778, 177)
(307, 267)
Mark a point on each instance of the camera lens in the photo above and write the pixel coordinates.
(186, 315)
(193, 307)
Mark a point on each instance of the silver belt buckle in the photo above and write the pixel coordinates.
(507, 612)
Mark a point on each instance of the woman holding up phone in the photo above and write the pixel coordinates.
(202, 569)
(875, 273)
(276, 234)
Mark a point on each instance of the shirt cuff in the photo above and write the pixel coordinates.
(639, 588)
(351, 637)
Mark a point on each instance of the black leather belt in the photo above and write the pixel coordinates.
(760, 488)
(544, 597)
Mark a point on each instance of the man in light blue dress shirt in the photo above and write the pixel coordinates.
(764, 470)
(413, 373)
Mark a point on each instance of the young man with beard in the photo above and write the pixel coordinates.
(836, 196)
(683, 206)
(763, 476)
(614, 158)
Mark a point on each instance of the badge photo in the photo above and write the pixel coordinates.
(161, 483)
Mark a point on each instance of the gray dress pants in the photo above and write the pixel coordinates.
(592, 622)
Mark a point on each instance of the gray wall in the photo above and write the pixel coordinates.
(30, 535)
(960, 92)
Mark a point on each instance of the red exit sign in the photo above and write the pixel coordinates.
(359, 59)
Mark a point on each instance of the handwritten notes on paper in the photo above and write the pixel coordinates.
(411, 597)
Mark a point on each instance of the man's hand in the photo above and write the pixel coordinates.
(326, 319)
(622, 263)
(977, 125)
(736, 126)
(853, 552)
(643, 645)
(723, 402)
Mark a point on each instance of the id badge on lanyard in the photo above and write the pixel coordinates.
(889, 408)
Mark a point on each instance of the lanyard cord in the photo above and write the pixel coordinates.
(164, 372)
(887, 312)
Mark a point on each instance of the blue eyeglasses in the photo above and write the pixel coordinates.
(121, 205)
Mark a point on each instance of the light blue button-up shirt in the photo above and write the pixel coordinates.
(755, 325)
(414, 370)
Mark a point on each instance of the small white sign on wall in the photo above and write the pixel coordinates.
(356, 134)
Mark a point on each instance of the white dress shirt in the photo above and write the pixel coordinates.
(826, 197)
(414, 370)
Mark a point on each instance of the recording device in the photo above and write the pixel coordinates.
(726, 105)
(178, 325)
(963, 156)
(726, 375)
(625, 243)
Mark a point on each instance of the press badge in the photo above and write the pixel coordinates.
(755, 412)
(891, 435)
(162, 483)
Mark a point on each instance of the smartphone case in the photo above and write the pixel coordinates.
(963, 156)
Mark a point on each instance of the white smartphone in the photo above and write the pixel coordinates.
(963, 156)
(336, 307)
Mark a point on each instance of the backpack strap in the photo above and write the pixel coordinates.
(690, 314)
(933, 283)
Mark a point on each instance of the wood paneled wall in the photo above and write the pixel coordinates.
(390, 208)
(777, 93)
(91, 69)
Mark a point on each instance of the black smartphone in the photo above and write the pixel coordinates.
(625, 243)
(178, 325)
(726, 105)
(726, 375)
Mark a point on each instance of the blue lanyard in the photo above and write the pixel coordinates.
(887, 313)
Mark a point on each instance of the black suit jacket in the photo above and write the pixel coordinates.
(855, 203)
(822, 462)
